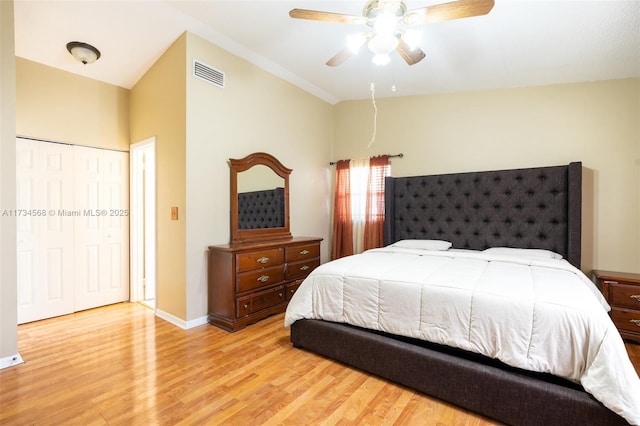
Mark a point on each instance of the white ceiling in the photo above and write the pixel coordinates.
(519, 43)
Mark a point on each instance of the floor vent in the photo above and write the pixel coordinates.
(207, 73)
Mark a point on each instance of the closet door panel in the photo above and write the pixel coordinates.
(101, 235)
(88, 229)
(45, 254)
(117, 222)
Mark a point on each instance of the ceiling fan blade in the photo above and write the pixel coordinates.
(340, 57)
(316, 15)
(450, 11)
(356, 42)
(411, 56)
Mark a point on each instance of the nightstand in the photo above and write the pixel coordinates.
(622, 291)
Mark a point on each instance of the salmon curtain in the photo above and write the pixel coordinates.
(379, 168)
(342, 243)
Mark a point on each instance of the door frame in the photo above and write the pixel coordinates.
(142, 207)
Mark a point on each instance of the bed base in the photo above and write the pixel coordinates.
(470, 381)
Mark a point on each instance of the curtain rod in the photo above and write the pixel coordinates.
(390, 156)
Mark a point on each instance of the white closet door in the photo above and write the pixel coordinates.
(44, 248)
(102, 233)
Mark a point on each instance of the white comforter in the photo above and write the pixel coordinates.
(540, 315)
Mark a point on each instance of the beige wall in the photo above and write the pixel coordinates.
(198, 127)
(596, 123)
(8, 273)
(59, 106)
(158, 108)
(255, 111)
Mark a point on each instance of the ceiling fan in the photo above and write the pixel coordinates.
(390, 26)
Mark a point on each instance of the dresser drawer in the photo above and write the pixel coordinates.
(261, 278)
(259, 301)
(302, 252)
(259, 259)
(301, 269)
(626, 319)
(624, 295)
(291, 288)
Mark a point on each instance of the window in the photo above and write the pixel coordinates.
(359, 205)
(359, 178)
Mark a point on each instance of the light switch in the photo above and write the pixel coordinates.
(174, 213)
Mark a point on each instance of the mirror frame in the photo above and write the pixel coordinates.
(239, 236)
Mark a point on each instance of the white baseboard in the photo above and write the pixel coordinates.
(179, 322)
(197, 322)
(10, 361)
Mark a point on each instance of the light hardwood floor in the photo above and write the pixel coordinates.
(121, 365)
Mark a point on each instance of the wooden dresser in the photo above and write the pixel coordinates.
(250, 281)
(622, 291)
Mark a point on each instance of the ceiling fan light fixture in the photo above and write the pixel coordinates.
(385, 23)
(83, 52)
(383, 44)
(412, 38)
(411, 19)
(381, 59)
(356, 41)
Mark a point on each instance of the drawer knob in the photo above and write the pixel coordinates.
(304, 268)
(636, 297)
(263, 260)
(263, 278)
(304, 252)
(635, 321)
(246, 305)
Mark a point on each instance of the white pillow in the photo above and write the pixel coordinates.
(423, 244)
(520, 252)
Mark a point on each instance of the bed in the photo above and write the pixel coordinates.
(537, 209)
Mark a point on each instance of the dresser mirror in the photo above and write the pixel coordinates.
(259, 199)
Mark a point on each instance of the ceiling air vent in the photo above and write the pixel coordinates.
(206, 73)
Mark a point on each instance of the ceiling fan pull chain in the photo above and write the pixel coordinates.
(375, 114)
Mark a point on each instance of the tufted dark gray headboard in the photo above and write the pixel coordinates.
(261, 209)
(525, 208)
